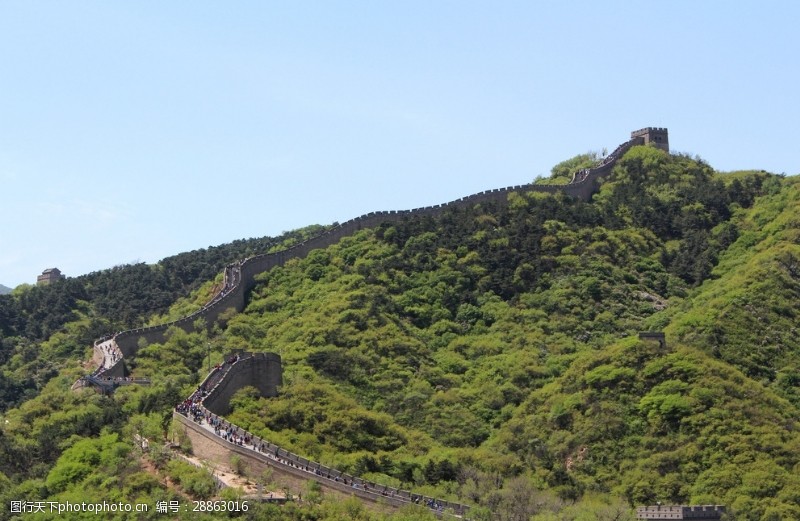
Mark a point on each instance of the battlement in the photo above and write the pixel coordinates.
(698, 512)
(645, 130)
(240, 276)
(658, 136)
(658, 336)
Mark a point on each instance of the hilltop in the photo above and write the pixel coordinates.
(4, 290)
(487, 354)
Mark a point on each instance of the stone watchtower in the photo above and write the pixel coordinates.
(49, 276)
(657, 136)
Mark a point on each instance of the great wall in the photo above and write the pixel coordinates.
(263, 370)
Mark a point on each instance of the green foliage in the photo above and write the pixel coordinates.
(86, 457)
(238, 465)
(327, 419)
(449, 325)
(93, 305)
(746, 314)
(562, 173)
(487, 355)
(195, 481)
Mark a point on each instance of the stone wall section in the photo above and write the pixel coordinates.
(216, 439)
(216, 450)
(263, 370)
(260, 370)
(697, 512)
(240, 276)
(297, 470)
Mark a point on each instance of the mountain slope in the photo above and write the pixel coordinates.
(491, 339)
(487, 355)
(746, 314)
(661, 425)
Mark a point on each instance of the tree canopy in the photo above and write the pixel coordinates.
(489, 356)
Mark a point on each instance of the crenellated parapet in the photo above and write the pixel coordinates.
(696, 512)
(240, 277)
(655, 136)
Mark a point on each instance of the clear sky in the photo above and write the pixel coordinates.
(131, 131)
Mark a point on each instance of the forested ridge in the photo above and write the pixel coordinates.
(488, 355)
(93, 305)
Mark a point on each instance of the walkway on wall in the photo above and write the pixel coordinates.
(108, 384)
(227, 433)
(239, 277)
(110, 371)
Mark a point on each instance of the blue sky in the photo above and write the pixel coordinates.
(131, 131)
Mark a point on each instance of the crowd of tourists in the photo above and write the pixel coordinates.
(111, 355)
(194, 409)
(583, 173)
(231, 278)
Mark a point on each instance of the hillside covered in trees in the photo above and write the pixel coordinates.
(489, 355)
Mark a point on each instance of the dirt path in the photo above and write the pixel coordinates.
(221, 472)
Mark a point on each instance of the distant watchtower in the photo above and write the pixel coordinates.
(49, 276)
(657, 136)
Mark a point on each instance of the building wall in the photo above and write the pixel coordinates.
(261, 370)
